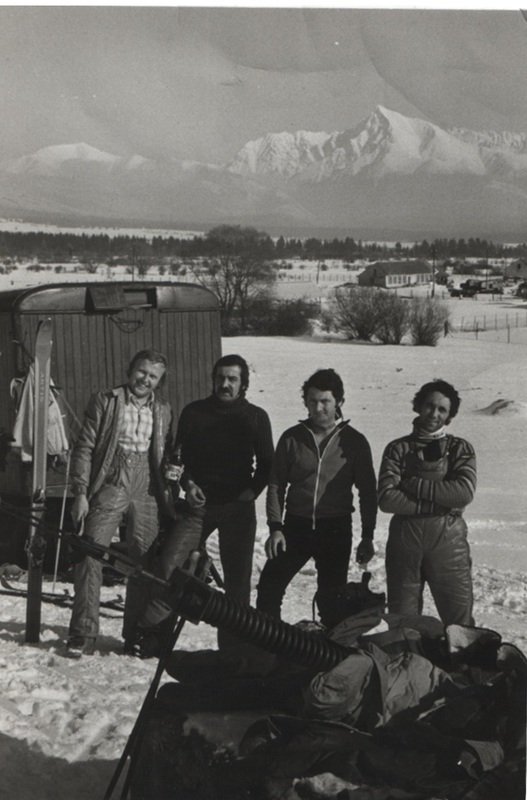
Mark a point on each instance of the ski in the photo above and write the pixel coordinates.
(36, 544)
(50, 597)
(64, 598)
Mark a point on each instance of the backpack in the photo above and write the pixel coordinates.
(346, 601)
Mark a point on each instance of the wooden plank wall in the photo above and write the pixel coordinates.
(7, 371)
(91, 352)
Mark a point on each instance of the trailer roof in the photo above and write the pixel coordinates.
(92, 296)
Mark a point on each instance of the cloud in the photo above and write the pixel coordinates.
(284, 40)
(199, 82)
(457, 67)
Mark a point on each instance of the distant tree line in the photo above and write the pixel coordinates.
(237, 264)
(236, 240)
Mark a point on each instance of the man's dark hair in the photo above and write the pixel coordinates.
(154, 356)
(233, 360)
(437, 386)
(325, 380)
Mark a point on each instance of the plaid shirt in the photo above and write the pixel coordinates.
(136, 433)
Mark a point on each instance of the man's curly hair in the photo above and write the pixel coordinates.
(441, 386)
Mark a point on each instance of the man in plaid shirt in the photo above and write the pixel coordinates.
(116, 473)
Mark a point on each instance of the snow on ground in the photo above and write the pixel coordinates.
(64, 723)
(19, 226)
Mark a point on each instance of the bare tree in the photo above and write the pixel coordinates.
(239, 273)
(394, 318)
(354, 311)
(429, 318)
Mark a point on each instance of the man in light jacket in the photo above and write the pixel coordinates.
(116, 471)
(316, 465)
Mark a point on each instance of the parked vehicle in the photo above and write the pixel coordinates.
(473, 286)
(492, 287)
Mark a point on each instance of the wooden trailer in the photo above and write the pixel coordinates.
(97, 328)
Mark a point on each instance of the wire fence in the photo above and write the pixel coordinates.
(487, 323)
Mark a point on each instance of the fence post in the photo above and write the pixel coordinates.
(476, 328)
(508, 334)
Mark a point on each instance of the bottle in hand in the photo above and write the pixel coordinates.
(174, 467)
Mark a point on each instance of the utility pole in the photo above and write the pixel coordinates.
(133, 261)
(433, 251)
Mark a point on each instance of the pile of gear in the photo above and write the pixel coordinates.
(411, 710)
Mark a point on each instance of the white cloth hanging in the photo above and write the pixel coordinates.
(23, 428)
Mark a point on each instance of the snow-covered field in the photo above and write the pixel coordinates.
(64, 723)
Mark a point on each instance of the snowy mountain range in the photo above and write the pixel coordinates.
(390, 175)
(387, 143)
(54, 160)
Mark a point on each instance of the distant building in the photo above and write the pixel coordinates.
(517, 270)
(392, 274)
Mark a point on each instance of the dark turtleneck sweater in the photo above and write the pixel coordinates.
(225, 447)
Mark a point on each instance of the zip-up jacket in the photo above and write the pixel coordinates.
(98, 440)
(317, 484)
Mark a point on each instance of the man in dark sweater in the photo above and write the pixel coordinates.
(227, 449)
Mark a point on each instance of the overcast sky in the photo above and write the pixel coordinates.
(197, 83)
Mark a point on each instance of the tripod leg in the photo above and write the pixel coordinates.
(142, 722)
(218, 580)
(131, 748)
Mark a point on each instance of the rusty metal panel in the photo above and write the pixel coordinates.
(107, 296)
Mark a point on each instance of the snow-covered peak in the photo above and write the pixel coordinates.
(283, 153)
(493, 139)
(51, 160)
(136, 162)
(385, 143)
(79, 151)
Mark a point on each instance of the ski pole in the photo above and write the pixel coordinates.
(61, 521)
